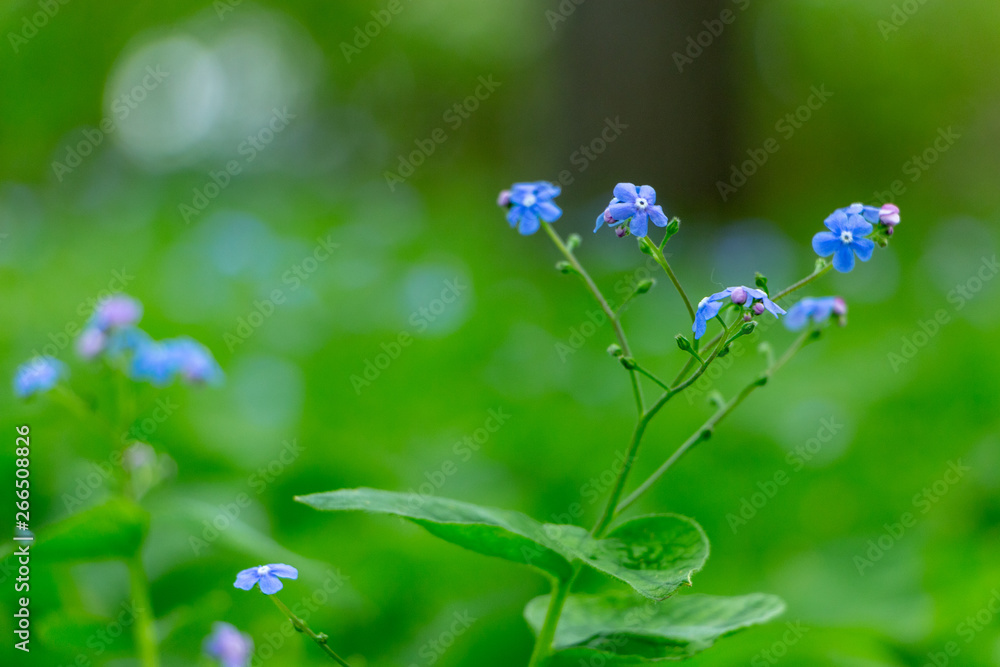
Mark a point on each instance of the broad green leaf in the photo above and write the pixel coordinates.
(493, 532)
(114, 530)
(618, 630)
(653, 554)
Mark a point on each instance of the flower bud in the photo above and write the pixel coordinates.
(608, 218)
(758, 308)
(620, 232)
(673, 226)
(747, 317)
(748, 328)
(645, 286)
(628, 362)
(683, 343)
(738, 296)
(888, 215)
(503, 199)
(565, 268)
(573, 241)
(615, 350)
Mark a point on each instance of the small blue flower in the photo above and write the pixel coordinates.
(267, 576)
(816, 309)
(159, 362)
(749, 297)
(229, 646)
(116, 312)
(38, 376)
(637, 204)
(153, 362)
(846, 238)
(195, 364)
(530, 202)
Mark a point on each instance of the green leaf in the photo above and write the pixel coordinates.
(618, 630)
(114, 530)
(654, 554)
(493, 532)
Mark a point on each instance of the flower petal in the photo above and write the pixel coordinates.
(529, 222)
(864, 248)
(548, 211)
(246, 579)
(648, 193)
(657, 216)
(798, 316)
(284, 571)
(858, 226)
(622, 210)
(625, 192)
(514, 214)
(772, 307)
(639, 226)
(599, 222)
(270, 584)
(826, 243)
(835, 221)
(843, 259)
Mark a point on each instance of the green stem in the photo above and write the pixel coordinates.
(705, 430)
(602, 302)
(144, 629)
(543, 645)
(661, 259)
(300, 626)
(802, 283)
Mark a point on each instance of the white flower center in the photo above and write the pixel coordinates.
(641, 204)
(262, 570)
(846, 236)
(529, 200)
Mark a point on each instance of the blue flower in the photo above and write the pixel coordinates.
(754, 299)
(112, 314)
(848, 227)
(637, 205)
(605, 218)
(530, 202)
(195, 364)
(159, 362)
(267, 576)
(816, 309)
(153, 362)
(228, 645)
(38, 376)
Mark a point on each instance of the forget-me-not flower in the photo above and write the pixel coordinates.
(741, 295)
(228, 645)
(38, 376)
(816, 309)
(159, 362)
(115, 313)
(194, 363)
(266, 576)
(529, 203)
(637, 204)
(846, 238)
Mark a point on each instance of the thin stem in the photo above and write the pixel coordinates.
(802, 283)
(705, 430)
(603, 303)
(662, 261)
(144, 630)
(652, 377)
(543, 644)
(300, 626)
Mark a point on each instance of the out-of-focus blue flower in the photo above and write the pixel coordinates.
(266, 576)
(530, 202)
(195, 364)
(845, 238)
(741, 295)
(153, 362)
(112, 314)
(91, 342)
(639, 205)
(816, 309)
(38, 376)
(159, 362)
(228, 645)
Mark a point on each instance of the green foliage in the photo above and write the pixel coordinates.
(620, 630)
(114, 530)
(654, 554)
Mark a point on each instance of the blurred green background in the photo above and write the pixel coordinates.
(186, 90)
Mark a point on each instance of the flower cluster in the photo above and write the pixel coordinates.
(266, 576)
(853, 234)
(228, 646)
(632, 208)
(527, 203)
(749, 300)
(38, 376)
